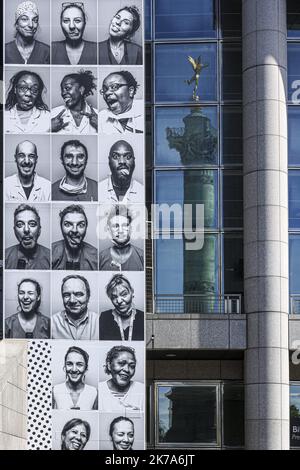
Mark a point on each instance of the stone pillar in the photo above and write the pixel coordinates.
(266, 224)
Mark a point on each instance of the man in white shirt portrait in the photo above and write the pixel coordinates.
(26, 185)
(120, 186)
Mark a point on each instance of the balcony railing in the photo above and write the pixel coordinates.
(226, 304)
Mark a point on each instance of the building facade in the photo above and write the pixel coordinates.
(222, 322)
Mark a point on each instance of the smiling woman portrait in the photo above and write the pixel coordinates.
(119, 49)
(74, 50)
(75, 434)
(25, 49)
(28, 322)
(120, 392)
(74, 393)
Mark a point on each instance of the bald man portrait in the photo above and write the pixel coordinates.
(26, 185)
(120, 186)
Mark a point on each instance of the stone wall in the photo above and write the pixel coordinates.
(13, 395)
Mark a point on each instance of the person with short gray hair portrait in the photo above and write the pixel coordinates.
(25, 49)
(75, 321)
(28, 254)
(73, 253)
(74, 185)
(26, 184)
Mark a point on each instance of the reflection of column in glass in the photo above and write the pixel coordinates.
(197, 141)
(197, 144)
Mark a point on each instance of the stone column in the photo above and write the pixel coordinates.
(266, 224)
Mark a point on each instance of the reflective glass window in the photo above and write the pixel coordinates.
(294, 199)
(191, 19)
(294, 264)
(293, 18)
(148, 19)
(233, 263)
(232, 137)
(295, 415)
(186, 136)
(232, 199)
(173, 69)
(294, 135)
(293, 56)
(188, 187)
(231, 18)
(187, 414)
(231, 72)
(182, 271)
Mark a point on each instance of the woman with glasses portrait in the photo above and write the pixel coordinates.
(73, 50)
(119, 49)
(25, 110)
(25, 49)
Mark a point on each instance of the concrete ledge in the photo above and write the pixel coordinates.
(196, 331)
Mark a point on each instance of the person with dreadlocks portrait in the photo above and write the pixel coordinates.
(76, 116)
(25, 110)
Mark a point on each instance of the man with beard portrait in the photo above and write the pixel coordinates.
(74, 185)
(120, 186)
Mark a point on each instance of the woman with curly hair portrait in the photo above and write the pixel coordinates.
(25, 110)
(119, 49)
(76, 116)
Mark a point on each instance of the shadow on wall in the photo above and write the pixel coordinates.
(13, 395)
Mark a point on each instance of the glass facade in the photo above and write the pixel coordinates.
(195, 156)
(293, 48)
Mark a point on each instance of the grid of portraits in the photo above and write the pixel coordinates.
(74, 195)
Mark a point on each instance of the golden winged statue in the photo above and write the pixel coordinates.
(197, 67)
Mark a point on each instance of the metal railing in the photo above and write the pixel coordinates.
(195, 303)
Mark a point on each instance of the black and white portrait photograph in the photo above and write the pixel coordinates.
(27, 237)
(27, 100)
(27, 32)
(121, 387)
(74, 32)
(121, 171)
(120, 32)
(74, 100)
(119, 432)
(27, 305)
(122, 238)
(74, 237)
(75, 430)
(121, 302)
(75, 375)
(121, 105)
(27, 168)
(75, 306)
(74, 168)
